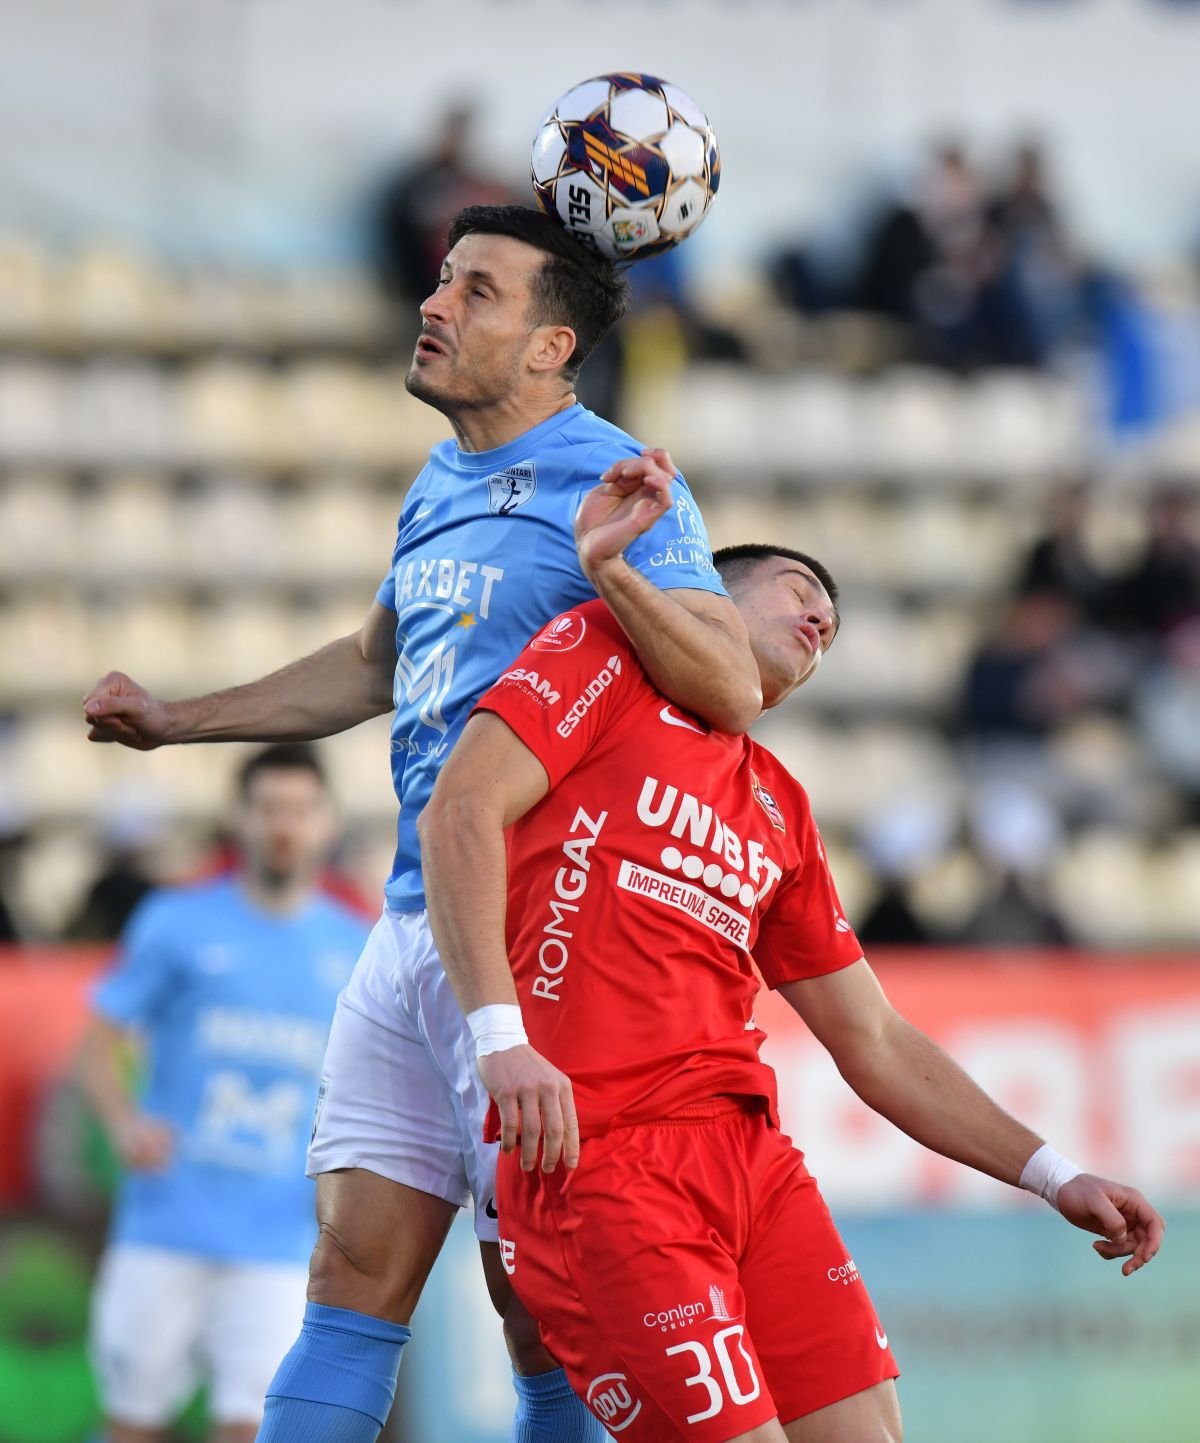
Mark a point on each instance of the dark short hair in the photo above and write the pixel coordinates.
(280, 757)
(735, 564)
(575, 287)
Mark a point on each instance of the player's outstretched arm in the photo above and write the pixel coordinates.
(491, 779)
(901, 1073)
(142, 1143)
(344, 683)
(693, 644)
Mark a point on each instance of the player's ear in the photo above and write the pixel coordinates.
(552, 347)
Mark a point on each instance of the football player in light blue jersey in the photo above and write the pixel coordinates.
(485, 545)
(505, 528)
(230, 985)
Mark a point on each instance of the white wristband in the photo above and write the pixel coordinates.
(1045, 1173)
(496, 1028)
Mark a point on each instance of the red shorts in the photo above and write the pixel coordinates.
(689, 1277)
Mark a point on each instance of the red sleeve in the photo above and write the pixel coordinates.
(566, 686)
(805, 932)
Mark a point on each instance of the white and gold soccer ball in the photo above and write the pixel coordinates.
(628, 163)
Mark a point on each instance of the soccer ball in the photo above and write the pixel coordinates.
(628, 163)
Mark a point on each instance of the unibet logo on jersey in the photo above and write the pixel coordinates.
(686, 814)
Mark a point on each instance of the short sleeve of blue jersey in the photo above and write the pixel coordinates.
(675, 552)
(386, 594)
(137, 987)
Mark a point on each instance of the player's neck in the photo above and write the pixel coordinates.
(487, 428)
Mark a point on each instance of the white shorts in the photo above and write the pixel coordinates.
(162, 1321)
(400, 1094)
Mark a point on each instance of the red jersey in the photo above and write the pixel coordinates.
(664, 857)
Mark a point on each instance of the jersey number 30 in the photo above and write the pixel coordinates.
(707, 1379)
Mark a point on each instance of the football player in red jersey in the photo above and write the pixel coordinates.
(602, 953)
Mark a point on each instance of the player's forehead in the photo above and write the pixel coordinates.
(503, 259)
(784, 568)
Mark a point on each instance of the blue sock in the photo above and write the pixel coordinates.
(337, 1383)
(549, 1411)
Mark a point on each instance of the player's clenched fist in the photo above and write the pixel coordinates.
(118, 710)
(535, 1101)
(633, 493)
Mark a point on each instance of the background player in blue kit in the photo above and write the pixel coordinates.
(499, 533)
(231, 985)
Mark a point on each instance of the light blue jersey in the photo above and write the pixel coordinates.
(234, 1004)
(485, 556)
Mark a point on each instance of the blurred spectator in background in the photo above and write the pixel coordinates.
(1037, 276)
(901, 841)
(899, 250)
(927, 257)
(945, 293)
(418, 202)
(890, 920)
(1026, 678)
(976, 276)
(1043, 666)
(231, 985)
(1167, 711)
(1032, 684)
(132, 835)
(1023, 210)
(1161, 588)
(1060, 562)
(1017, 836)
(121, 884)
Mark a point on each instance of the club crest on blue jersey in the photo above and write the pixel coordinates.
(511, 488)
